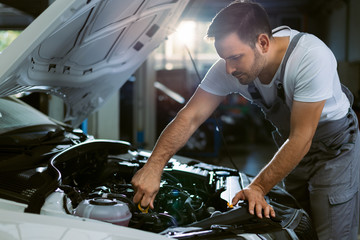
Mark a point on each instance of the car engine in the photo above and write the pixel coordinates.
(92, 180)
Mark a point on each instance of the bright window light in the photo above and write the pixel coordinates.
(185, 33)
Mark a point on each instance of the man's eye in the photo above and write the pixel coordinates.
(235, 57)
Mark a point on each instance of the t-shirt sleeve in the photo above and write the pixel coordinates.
(216, 80)
(313, 78)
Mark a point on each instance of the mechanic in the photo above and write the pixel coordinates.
(293, 78)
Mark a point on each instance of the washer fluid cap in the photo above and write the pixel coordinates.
(103, 201)
(107, 210)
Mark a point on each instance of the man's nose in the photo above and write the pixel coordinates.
(229, 69)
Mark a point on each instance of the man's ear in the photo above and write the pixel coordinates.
(263, 42)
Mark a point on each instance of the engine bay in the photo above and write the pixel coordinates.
(189, 192)
(93, 180)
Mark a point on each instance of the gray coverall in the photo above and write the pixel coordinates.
(326, 181)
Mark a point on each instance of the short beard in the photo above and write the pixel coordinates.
(256, 68)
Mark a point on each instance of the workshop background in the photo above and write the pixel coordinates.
(163, 84)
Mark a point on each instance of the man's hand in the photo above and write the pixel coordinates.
(255, 197)
(146, 183)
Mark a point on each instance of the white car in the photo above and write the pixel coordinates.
(58, 183)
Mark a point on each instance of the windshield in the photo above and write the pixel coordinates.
(14, 115)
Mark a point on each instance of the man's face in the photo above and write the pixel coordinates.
(242, 61)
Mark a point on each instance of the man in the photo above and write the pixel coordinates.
(293, 78)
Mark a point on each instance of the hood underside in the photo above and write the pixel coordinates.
(84, 51)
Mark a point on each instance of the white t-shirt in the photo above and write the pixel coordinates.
(310, 76)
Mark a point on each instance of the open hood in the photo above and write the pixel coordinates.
(84, 50)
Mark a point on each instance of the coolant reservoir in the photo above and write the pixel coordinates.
(108, 210)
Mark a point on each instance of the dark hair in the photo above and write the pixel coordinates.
(246, 18)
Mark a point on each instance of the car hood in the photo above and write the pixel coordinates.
(83, 51)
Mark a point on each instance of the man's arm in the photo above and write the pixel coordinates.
(304, 120)
(146, 181)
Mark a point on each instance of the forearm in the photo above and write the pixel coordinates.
(173, 137)
(176, 134)
(283, 162)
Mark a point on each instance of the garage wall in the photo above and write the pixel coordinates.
(354, 47)
(336, 29)
(342, 37)
(345, 45)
